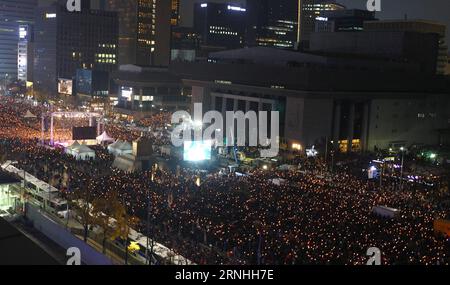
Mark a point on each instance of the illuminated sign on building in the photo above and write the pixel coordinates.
(127, 93)
(23, 32)
(22, 53)
(65, 86)
(236, 8)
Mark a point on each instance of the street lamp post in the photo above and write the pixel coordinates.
(381, 175)
(326, 154)
(402, 149)
(332, 161)
(148, 227)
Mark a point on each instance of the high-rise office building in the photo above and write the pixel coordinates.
(281, 23)
(272, 23)
(144, 31)
(13, 14)
(67, 42)
(220, 24)
(311, 10)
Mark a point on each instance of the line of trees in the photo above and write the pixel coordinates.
(106, 213)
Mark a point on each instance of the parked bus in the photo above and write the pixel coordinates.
(41, 193)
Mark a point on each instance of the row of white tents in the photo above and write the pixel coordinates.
(115, 147)
(83, 152)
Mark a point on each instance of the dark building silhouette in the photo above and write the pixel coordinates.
(13, 14)
(65, 42)
(220, 25)
(144, 30)
(343, 20)
(416, 26)
(282, 24)
(416, 42)
(311, 11)
(272, 23)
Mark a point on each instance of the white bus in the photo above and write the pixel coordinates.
(41, 192)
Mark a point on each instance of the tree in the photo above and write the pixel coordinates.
(123, 226)
(81, 202)
(102, 211)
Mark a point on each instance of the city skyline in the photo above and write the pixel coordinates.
(256, 135)
(391, 9)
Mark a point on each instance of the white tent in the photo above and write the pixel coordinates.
(120, 147)
(80, 152)
(112, 147)
(125, 148)
(84, 153)
(104, 138)
(72, 147)
(29, 115)
(115, 144)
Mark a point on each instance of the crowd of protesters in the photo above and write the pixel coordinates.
(305, 218)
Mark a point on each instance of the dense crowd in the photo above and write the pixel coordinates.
(229, 219)
(158, 135)
(13, 123)
(156, 121)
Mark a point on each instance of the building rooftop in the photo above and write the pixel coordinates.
(419, 21)
(290, 70)
(416, 25)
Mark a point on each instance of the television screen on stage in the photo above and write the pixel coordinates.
(84, 133)
(197, 150)
(65, 86)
